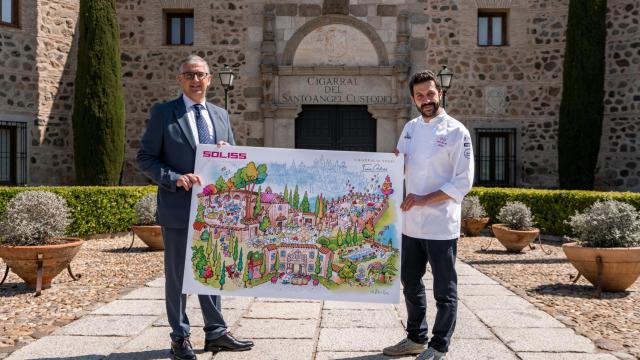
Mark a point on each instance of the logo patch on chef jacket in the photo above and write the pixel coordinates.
(467, 153)
(466, 141)
(441, 141)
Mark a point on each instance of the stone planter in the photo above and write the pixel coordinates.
(474, 226)
(514, 240)
(150, 235)
(23, 260)
(619, 267)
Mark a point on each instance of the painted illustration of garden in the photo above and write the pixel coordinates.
(255, 229)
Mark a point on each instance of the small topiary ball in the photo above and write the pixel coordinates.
(34, 218)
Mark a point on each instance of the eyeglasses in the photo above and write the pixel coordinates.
(191, 75)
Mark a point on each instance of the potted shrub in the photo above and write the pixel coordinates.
(31, 237)
(515, 228)
(146, 228)
(607, 247)
(474, 217)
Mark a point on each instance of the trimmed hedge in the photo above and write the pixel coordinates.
(550, 208)
(102, 210)
(94, 210)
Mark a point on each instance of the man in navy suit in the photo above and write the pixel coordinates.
(167, 156)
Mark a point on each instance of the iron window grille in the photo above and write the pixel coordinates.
(13, 153)
(495, 157)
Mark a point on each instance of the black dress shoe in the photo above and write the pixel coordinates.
(227, 343)
(182, 349)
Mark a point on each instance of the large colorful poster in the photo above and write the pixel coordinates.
(296, 224)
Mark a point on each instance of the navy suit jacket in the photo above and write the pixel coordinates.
(168, 150)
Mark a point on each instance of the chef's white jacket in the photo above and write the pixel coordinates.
(438, 156)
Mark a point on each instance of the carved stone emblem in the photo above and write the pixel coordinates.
(495, 99)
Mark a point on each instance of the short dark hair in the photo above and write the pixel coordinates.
(421, 77)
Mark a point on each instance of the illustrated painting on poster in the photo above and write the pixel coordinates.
(293, 223)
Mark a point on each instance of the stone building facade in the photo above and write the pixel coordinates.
(329, 74)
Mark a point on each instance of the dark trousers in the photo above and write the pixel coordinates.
(175, 242)
(441, 255)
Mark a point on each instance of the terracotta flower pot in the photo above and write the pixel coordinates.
(514, 240)
(23, 260)
(474, 226)
(150, 235)
(620, 266)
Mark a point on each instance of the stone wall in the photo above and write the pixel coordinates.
(51, 152)
(18, 74)
(619, 160)
(516, 86)
(150, 67)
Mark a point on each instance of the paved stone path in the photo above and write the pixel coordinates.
(493, 323)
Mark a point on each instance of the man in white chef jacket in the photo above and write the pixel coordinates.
(439, 173)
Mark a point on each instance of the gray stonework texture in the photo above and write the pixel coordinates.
(619, 160)
(514, 86)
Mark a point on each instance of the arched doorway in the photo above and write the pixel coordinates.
(335, 127)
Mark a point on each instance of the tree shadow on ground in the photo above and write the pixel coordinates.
(12, 289)
(542, 260)
(576, 291)
(124, 250)
(368, 357)
(133, 355)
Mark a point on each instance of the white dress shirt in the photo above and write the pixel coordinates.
(438, 156)
(191, 114)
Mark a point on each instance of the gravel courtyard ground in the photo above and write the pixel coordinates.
(107, 271)
(613, 322)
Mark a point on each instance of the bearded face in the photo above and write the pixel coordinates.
(426, 98)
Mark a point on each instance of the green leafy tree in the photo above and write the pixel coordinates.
(304, 206)
(285, 194)
(247, 178)
(296, 198)
(347, 238)
(258, 207)
(98, 112)
(245, 275)
(223, 275)
(264, 224)
(205, 236)
(277, 262)
(339, 241)
(581, 107)
(346, 273)
(317, 269)
(216, 268)
(221, 185)
(322, 240)
(235, 250)
(240, 261)
(329, 268)
(263, 267)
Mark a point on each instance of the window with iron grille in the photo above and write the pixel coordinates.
(492, 28)
(13, 153)
(9, 12)
(495, 154)
(179, 27)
